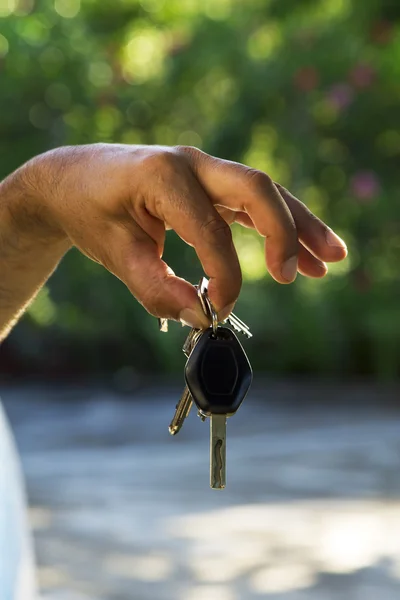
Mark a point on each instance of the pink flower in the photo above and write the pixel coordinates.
(341, 95)
(365, 186)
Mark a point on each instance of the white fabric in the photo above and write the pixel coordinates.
(16, 557)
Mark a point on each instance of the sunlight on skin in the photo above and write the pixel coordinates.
(343, 267)
(284, 547)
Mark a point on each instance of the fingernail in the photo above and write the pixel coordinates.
(190, 317)
(289, 269)
(334, 240)
(225, 312)
(324, 267)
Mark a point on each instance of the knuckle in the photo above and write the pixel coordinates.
(192, 156)
(190, 152)
(216, 231)
(154, 298)
(286, 232)
(161, 160)
(258, 179)
(151, 298)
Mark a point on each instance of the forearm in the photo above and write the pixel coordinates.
(29, 249)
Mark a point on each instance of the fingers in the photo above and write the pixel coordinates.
(239, 188)
(243, 219)
(232, 216)
(309, 265)
(189, 211)
(313, 233)
(133, 256)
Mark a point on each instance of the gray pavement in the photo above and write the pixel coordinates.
(121, 510)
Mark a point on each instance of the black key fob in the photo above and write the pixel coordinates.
(218, 373)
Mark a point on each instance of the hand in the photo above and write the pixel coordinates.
(115, 202)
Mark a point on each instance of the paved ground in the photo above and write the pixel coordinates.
(123, 511)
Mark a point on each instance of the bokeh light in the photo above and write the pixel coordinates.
(67, 8)
(264, 41)
(43, 311)
(144, 54)
(7, 7)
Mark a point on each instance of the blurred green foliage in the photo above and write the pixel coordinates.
(308, 91)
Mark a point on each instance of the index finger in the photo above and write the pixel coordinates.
(240, 188)
(189, 211)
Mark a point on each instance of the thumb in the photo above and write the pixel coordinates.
(134, 257)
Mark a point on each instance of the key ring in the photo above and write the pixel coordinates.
(206, 304)
(212, 313)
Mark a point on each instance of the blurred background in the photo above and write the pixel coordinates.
(309, 92)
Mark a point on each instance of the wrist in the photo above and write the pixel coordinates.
(23, 204)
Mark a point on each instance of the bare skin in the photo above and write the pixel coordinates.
(115, 202)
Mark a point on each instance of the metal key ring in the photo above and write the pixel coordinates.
(202, 294)
(207, 305)
(212, 313)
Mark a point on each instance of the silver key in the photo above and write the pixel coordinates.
(191, 340)
(181, 412)
(234, 321)
(218, 452)
(185, 404)
(163, 325)
(238, 325)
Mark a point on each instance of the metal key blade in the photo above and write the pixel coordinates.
(238, 325)
(163, 325)
(191, 340)
(184, 405)
(218, 452)
(181, 412)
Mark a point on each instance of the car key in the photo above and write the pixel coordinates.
(185, 403)
(182, 410)
(218, 452)
(218, 375)
(183, 407)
